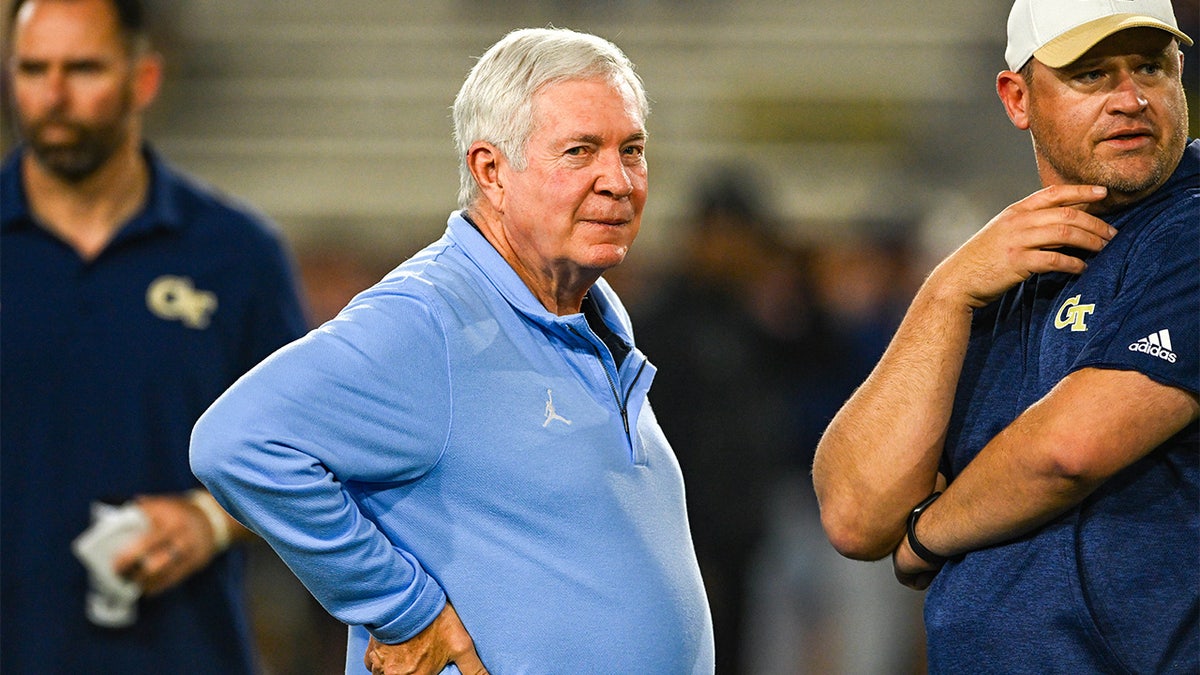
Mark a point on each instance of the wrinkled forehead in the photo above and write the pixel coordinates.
(550, 94)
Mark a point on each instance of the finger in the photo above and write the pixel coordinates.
(373, 660)
(922, 581)
(156, 569)
(1063, 226)
(134, 556)
(1064, 195)
(1050, 244)
(918, 581)
(172, 554)
(469, 663)
(1060, 204)
(1041, 262)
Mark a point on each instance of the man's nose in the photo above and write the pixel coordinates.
(1128, 96)
(614, 176)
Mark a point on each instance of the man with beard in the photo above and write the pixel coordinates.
(1027, 446)
(131, 298)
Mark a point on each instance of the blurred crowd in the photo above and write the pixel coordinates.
(759, 338)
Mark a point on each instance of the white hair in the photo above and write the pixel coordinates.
(495, 103)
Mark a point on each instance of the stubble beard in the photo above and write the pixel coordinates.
(1125, 186)
(90, 147)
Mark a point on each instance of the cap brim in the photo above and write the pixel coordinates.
(1068, 47)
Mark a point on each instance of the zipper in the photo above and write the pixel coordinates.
(622, 404)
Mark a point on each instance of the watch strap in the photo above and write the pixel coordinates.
(917, 547)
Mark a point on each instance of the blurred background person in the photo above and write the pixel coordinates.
(760, 338)
(131, 297)
(721, 391)
(812, 611)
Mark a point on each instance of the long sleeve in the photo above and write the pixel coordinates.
(359, 404)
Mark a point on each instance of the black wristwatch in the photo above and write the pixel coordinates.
(916, 546)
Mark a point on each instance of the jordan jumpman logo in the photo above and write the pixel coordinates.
(551, 415)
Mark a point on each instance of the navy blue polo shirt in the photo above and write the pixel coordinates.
(1112, 586)
(106, 365)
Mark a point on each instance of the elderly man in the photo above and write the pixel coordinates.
(1028, 443)
(463, 465)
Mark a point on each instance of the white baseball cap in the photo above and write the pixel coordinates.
(1058, 32)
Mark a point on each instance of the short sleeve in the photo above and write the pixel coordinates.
(1152, 324)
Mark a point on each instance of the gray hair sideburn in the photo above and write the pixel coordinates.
(495, 103)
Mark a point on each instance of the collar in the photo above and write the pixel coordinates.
(161, 210)
(1187, 171)
(1189, 167)
(514, 291)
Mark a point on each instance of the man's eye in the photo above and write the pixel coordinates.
(31, 68)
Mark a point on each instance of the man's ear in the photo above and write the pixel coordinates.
(484, 161)
(147, 79)
(1014, 94)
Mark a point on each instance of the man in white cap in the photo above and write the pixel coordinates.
(1027, 447)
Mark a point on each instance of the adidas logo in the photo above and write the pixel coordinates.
(1156, 344)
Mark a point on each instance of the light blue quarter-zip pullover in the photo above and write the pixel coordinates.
(445, 436)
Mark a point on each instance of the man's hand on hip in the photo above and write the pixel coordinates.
(443, 642)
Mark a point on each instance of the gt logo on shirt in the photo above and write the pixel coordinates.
(1073, 314)
(176, 299)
